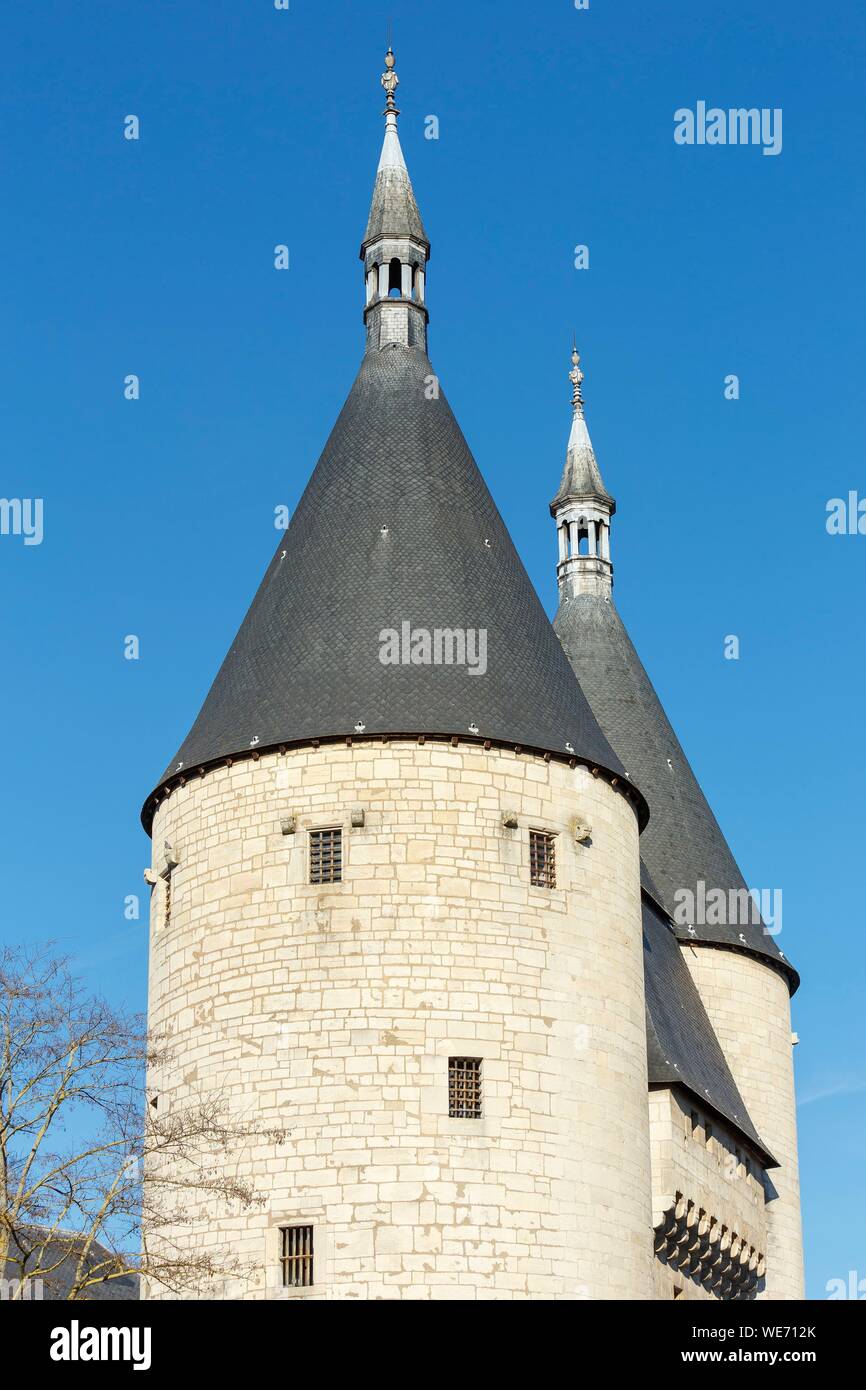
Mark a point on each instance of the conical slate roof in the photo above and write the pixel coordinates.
(396, 526)
(683, 846)
(393, 210)
(581, 477)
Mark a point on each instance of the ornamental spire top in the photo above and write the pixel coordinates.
(392, 155)
(575, 376)
(395, 249)
(390, 82)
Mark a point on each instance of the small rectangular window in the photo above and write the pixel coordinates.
(296, 1256)
(326, 856)
(464, 1088)
(542, 859)
(166, 918)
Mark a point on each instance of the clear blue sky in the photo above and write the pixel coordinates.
(556, 128)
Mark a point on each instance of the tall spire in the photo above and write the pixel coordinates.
(682, 848)
(583, 507)
(395, 249)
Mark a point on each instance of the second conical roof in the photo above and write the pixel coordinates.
(683, 846)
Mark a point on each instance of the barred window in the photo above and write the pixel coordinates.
(296, 1256)
(464, 1088)
(166, 916)
(326, 856)
(542, 859)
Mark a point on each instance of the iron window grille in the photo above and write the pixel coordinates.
(464, 1088)
(296, 1256)
(326, 856)
(542, 859)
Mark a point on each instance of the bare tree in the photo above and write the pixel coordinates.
(95, 1183)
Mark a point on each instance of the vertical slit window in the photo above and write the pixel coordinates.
(166, 916)
(464, 1088)
(542, 859)
(326, 856)
(296, 1256)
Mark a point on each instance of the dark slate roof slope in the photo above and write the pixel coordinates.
(396, 525)
(581, 477)
(393, 210)
(682, 1048)
(683, 844)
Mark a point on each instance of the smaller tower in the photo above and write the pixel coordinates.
(395, 249)
(582, 508)
(742, 977)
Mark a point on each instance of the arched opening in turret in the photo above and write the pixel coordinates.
(395, 279)
(582, 537)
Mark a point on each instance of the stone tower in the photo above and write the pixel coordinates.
(397, 910)
(742, 977)
(400, 911)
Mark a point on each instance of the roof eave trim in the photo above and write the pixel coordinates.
(617, 781)
(562, 498)
(394, 236)
(792, 976)
(780, 964)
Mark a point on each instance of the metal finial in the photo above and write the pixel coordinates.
(390, 81)
(575, 376)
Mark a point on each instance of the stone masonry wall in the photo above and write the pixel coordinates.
(331, 1012)
(749, 1007)
(704, 1172)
